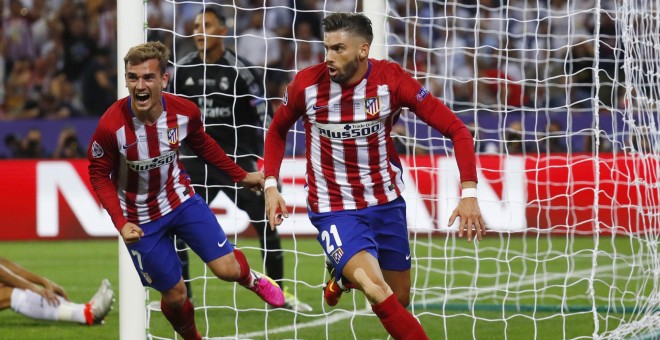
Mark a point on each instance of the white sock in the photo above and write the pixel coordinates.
(33, 305)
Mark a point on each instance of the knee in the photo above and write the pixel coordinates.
(226, 268)
(176, 296)
(375, 291)
(403, 297)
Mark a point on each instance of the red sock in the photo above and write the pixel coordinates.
(398, 321)
(182, 320)
(246, 275)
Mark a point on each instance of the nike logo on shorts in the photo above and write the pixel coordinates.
(408, 257)
(222, 244)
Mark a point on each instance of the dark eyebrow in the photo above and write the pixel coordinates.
(334, 45)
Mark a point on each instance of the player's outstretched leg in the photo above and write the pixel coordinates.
(259, 283)
(32, 305)
(363, 270)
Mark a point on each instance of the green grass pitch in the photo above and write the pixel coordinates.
(522, 287)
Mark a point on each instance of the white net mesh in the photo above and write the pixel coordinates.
(562, 99)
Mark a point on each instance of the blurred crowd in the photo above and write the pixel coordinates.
(58, 58)
(485, 57)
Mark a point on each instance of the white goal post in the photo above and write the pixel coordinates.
(562, 97)
(132, 309)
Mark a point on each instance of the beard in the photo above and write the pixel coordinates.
(347, 72)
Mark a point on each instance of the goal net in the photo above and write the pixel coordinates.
(561, 97)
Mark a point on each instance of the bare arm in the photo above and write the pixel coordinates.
(13, 275)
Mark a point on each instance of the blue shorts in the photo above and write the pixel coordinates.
(380, 230)
(154, 256)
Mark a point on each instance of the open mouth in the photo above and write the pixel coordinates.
(332, 71)
(142, 98)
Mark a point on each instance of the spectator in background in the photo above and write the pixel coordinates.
(553, 137)
(496, 87)
(98, 82)
(18, 35)
(304, 33)
(13, 144)
(103, 25)
(516, 142)
(480, 145)
(604, 142)
(160, 15)
(78, 47)
(257, 44)
(31, 146)
(68, 145)
(279, 17)
(47, 66)
(309, 13)
(18, 89)
(579, 68)
(48, 107)
(641, 141)
(64, 90)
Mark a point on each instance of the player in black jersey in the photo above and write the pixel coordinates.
(231, 96)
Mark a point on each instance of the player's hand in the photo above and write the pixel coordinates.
(470, 218)
(275, 207)
(55, 288)
(131, 233)
(48, 294)
(253, 181)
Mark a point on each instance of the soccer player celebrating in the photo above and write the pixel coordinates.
(231, 96)
(348, 104)
(37, 297)
(135, 171)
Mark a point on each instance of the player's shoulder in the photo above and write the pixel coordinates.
(190, 58)
(231, 58)
(114, 116)
(386, 67)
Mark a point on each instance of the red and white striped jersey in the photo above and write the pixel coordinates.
(134, 167)
(351, 159)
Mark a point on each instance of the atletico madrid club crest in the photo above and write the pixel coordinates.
(372, 105)
(337, 255)
(173, 135)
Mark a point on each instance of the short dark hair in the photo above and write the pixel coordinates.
(215, 11)
(355, 23)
